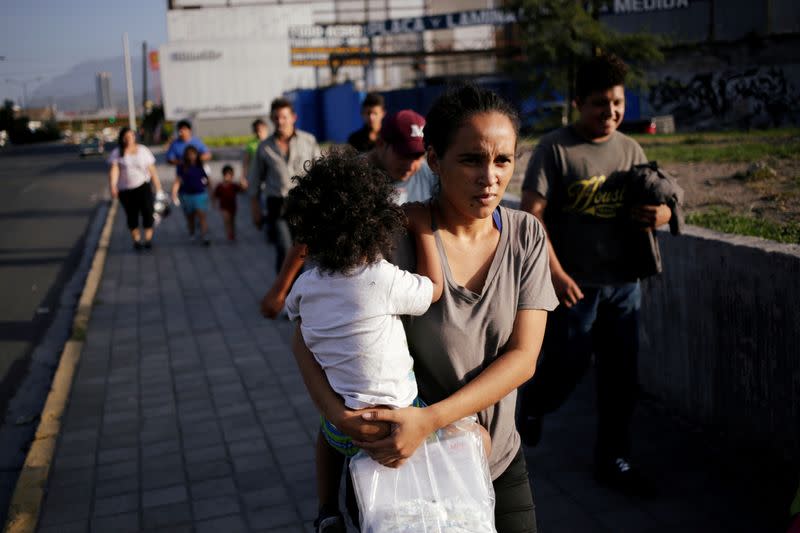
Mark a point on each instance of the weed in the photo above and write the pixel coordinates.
(78, 333)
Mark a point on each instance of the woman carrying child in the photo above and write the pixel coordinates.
(190, 191)
(349, 304)
(480, 341)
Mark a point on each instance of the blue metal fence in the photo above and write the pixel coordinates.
(332, 113)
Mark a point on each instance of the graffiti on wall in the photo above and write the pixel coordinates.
(756, 97)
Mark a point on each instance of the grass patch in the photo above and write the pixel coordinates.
(227, 140)
(714, 147)
(722, 219)
(723, 147)
(722, 153)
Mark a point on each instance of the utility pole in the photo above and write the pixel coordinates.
(129, 82)
(371, 63)
(144, 75)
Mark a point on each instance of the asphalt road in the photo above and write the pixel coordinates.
(48, 196)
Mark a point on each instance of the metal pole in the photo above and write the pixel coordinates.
(367, 66)
(129, 82)
(144, 75)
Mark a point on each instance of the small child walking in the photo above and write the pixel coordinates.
(190, 190)
(348, 306)
(225, 197)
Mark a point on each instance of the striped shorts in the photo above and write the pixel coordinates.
(341, 442)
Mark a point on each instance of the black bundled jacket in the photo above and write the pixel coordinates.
(647, 184)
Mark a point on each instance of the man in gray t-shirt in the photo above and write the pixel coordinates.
(575, 184)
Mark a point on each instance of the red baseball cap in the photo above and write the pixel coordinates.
(403, 132)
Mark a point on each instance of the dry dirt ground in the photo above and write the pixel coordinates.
(727, 185)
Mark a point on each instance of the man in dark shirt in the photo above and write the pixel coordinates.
(372, 111)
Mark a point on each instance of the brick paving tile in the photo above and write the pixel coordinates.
(224, 523)
(113, 505)
(166, 516)
(214, 507)
(164, 496)
(120, 523)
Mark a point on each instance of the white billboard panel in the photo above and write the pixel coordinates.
(237, 23)
(218, 79)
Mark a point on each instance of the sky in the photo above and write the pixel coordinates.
(45, 38)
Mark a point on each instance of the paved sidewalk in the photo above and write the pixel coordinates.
(188, 414)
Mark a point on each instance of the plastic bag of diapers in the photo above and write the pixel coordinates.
(445, 487)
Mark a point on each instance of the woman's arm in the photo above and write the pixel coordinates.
(428, 262)
(154, 178)
(507, 372)
(330, 404)
(113, 179)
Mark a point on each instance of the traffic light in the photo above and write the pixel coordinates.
(112, 120)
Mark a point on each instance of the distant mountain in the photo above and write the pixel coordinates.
(75, 90)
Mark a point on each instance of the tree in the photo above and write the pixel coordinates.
(7, 115)
(555, 36)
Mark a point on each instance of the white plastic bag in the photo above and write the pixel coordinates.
(445, 487)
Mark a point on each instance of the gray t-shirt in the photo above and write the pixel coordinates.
(276, 170)
(464, 332)
(586, 216)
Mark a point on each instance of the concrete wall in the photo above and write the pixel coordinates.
(740, 85)
(721, 337)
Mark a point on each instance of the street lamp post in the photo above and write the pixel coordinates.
(24, 85)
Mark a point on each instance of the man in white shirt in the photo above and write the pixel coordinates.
(278, 158)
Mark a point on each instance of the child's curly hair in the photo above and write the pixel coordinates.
(343, 210)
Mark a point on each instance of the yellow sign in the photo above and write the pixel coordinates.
(327, 63)
(330, 50)
(319, 56)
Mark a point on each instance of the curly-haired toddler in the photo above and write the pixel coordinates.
(349, 304)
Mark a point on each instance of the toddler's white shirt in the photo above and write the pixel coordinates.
(351, 323)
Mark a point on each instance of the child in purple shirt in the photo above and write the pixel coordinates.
(190, 192)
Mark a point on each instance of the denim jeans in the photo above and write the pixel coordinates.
(604, 323)
(278, 229)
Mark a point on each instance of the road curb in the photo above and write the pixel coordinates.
(25, 506)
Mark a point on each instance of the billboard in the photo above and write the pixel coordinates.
(222, 79)
(243, 23)
(229, 62)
